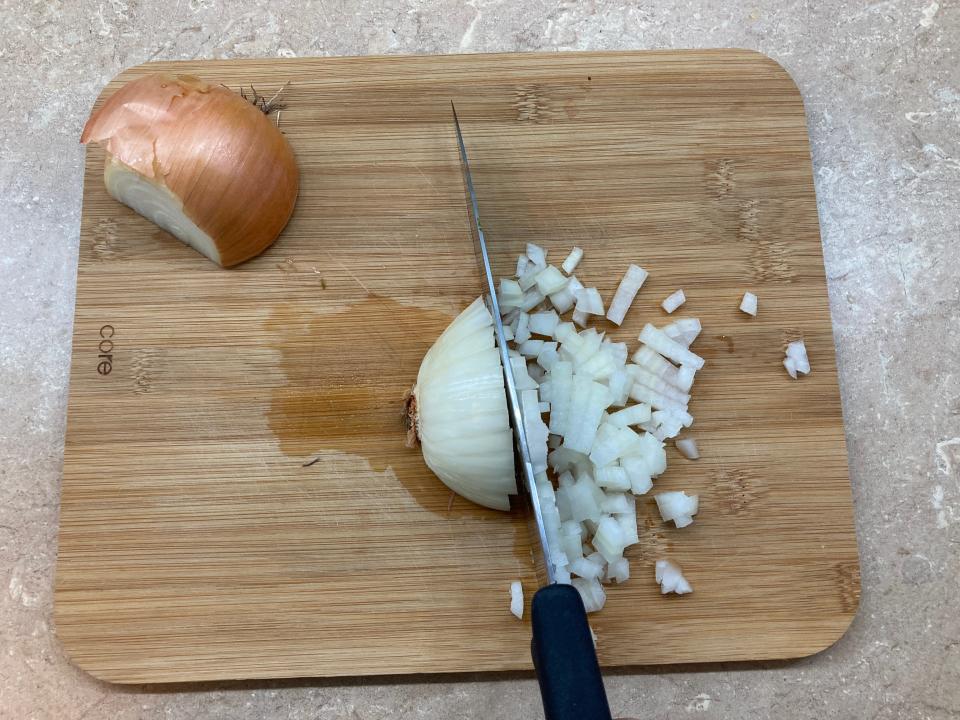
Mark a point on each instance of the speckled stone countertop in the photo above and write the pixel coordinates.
(881, 82)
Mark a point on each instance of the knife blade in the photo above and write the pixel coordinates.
(527, 476)
(564, 655)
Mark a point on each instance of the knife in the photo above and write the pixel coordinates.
(564, 657)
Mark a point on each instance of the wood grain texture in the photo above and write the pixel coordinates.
(237, 501)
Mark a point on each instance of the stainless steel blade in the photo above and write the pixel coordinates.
(513, 399)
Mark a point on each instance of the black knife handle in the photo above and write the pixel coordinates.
(564, 657)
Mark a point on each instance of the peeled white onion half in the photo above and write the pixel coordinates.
(458, 413)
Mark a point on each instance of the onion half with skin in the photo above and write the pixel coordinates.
(198, 160)
(457, 411)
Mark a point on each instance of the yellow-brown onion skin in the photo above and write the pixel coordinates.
(230, 166)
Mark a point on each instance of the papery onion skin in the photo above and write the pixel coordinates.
(231, 168)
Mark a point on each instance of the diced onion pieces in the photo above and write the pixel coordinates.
(688, 448)
(627, 290)
(531, 348)
(659, 342)
(604, 448)
(749, 303)
(673, 301)
(550, 280)
(684, 379)
(796, 360)
(677, 506)
(591, 591)
(619, 570)
(589, 301)
(683, 331)
(670, 578)
(544, 323)
(586, 568)
(523, 262)
(516, 598)
(531, 298)
(510, 295)
(573, 259)
(609, 539)
(633, 415)
(537, 255)
(521, 333)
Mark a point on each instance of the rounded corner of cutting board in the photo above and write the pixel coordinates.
(775, 66)
(823, 641)
(75, 655)
(846, 620)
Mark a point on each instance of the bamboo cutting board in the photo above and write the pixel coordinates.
(237, 500)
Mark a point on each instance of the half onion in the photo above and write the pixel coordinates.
(458, 411)
(198, 160)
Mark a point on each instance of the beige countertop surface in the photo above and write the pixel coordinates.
(881, 82)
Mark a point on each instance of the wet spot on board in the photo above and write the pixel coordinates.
(346, 375)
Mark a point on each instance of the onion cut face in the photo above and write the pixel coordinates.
(458, 411)
(198, 160)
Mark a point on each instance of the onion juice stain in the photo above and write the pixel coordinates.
(346, 375)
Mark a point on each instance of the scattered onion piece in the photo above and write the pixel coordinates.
(627, 290)
(749, 304)
(670, 578)
(688, 448)
(673, 301)
(573, 259)
(516, 599)
(796, 360)
(678, 507)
